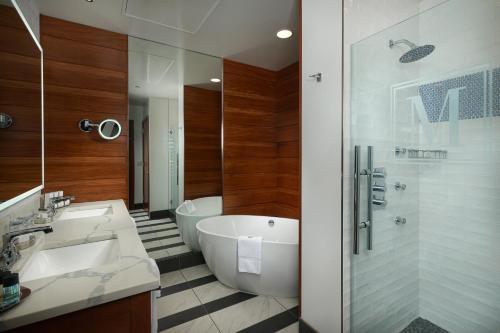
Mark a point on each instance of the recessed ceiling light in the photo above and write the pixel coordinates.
(285, 33)
(215, 80)
(90, 0)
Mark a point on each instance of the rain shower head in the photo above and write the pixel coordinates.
(416, 52)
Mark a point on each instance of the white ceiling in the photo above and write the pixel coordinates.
(241, 30)
(158, 70)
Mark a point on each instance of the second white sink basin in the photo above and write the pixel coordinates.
(75, 213)
(68, 259)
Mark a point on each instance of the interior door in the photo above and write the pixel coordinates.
(145, 158)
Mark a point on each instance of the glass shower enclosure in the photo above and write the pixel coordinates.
(423, 227)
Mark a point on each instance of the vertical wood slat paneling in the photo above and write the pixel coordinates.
(261, 141)
(86, 77)
(202, 138)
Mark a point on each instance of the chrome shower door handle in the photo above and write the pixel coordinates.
(369, 198)
(356, 198)
(357, 224)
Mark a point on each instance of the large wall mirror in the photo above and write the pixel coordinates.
(175, 118)
(21, 111)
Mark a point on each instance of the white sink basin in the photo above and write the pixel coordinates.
(80, 213)
(70, 259)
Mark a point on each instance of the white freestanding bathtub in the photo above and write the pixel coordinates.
(186, 222)
(218, 238)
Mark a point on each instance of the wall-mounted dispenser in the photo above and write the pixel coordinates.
(108, 129)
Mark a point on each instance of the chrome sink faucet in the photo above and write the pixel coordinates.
(10, 254)
(52, 207)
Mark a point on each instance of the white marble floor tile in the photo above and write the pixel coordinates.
(163, 226)
(244, 314)
(162, 220)
(151, 223)
(143, 223)
(145, 229)
(196, 272)
(150, 245)
(172, 251)
(149, 236)
(294, 328)
(167, 233)
(177, 302)
(137, 210)
(198, 325)
(171, 278)
(158, 254)
(288, 303)
(139, 214)
(212, 291)
(141, 218)
(168, 241)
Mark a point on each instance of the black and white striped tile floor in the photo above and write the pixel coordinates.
(193, 301)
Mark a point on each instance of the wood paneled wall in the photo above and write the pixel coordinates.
(261, 159)
(85, 72)
(288, 139)
(250, 148)
(20, 98)
(202, 142)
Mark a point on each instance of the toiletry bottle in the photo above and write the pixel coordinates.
(11, 290)
(1, 287)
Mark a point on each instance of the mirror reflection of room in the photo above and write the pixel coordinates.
(20, 107)
(175, 119)
(150, 168)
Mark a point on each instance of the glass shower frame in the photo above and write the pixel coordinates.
(433, 125)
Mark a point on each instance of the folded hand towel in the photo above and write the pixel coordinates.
(189, 205)
(249, 254)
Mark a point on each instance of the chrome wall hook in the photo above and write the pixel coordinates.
(317, 76)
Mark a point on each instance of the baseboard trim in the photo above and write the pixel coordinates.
(160, 214)
(305, 327)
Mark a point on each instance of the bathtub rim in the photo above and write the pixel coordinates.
(236, 238)
(200, 215)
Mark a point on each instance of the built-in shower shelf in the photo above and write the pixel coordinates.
(423, 154)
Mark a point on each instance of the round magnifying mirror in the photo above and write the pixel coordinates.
(109, 129)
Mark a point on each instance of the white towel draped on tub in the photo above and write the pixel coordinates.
(249, 254)
(189, 205)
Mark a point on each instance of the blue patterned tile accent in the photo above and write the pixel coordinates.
(472, 99)
(495, 92)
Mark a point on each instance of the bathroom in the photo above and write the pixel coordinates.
(249, 166)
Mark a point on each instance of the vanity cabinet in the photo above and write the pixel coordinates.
(131, 314)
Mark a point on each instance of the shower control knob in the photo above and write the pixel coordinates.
(400, 220)
(399, 187)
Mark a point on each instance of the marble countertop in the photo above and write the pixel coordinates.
(132, 273)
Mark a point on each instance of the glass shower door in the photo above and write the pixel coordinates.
(423, 229)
